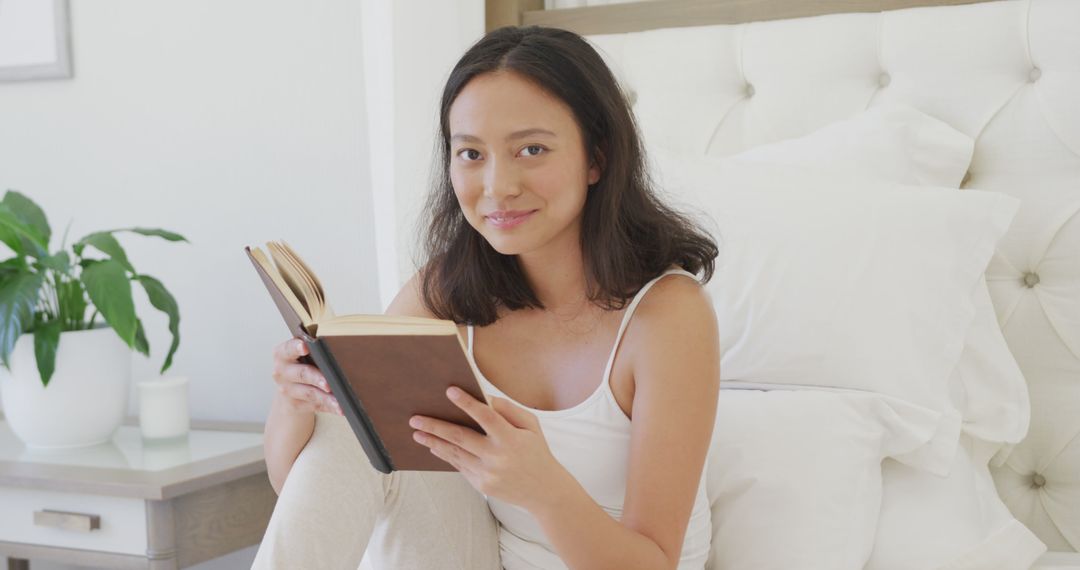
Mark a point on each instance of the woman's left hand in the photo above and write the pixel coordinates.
(511, 463)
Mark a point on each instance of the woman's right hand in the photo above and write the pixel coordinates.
(302, 385)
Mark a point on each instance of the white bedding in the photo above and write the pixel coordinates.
(1005, 73)
(1058, 561)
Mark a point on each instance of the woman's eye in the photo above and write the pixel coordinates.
(472, 155)
(466, 150)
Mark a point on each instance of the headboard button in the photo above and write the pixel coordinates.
(750, 90)
(1035, 74)
(884, 80)
(1038, 480)
(1031, 279)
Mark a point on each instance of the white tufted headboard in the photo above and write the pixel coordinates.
(1005, 72)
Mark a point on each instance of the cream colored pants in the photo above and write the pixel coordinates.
(334, 504)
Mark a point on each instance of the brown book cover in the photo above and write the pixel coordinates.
(382, 369)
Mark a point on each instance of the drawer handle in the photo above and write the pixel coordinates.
(67, 521)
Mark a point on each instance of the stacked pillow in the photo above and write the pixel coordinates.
(892, 141)
(794, 477)
(957, 522)
(850, 270)
(895, 142)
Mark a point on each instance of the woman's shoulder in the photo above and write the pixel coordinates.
(409, 300)
(675, 304)
(674, 285)
(674, 326)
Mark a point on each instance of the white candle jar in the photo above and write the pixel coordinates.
(163, 408)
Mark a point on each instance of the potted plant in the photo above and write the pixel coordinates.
(66, 382)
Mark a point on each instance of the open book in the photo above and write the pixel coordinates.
(382, 369)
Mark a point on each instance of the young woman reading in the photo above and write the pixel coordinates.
(575, 290)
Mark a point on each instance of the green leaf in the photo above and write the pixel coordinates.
(46, 341)
(141, 344)
(108, 245)
(110, 291)
(162, 300)
(171, 236)
(9, 235)
(18, 295)
(28, 213)
(22, 238)
(64, 239)
(13, 265)
(165, 234)
(59, 262)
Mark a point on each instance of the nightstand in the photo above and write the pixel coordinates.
(126, 504)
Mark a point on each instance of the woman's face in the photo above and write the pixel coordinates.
(518, 163)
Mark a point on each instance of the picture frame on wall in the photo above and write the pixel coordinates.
(35, 40)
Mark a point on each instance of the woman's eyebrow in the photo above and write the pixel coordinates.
(512, 136)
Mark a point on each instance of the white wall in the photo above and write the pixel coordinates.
(408, 58)
(235, 123)
(231, 123)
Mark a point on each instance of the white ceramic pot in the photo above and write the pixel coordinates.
(86, 398)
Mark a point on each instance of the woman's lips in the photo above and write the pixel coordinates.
(509, 221)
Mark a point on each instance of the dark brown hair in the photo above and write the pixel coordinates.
(628, 236)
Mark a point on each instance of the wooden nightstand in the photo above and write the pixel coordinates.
(128, 505)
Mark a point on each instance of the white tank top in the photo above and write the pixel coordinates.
(592, 441)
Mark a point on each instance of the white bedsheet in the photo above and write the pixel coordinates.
(1058, 561)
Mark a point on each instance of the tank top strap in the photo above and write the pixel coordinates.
(630, 311)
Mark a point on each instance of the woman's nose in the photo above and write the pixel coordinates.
(501, 179)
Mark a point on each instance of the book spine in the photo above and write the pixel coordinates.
(351, 406)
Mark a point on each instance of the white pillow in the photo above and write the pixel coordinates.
(989, 388)
(969, 523)
(794, 477)
(892, 141)
(956, 522)
(843, 281)
(899, 143)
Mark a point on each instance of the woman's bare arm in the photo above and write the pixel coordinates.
(676, 367)
(287, 431)
(291, 422)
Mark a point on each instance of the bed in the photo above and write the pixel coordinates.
(717, 78)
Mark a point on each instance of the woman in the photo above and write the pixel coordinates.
(544, 238)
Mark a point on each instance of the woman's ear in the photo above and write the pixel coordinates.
(596, 168)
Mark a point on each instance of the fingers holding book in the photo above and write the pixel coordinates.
(512, 462)
(307, 398)
(303, 386)
(453, 443)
